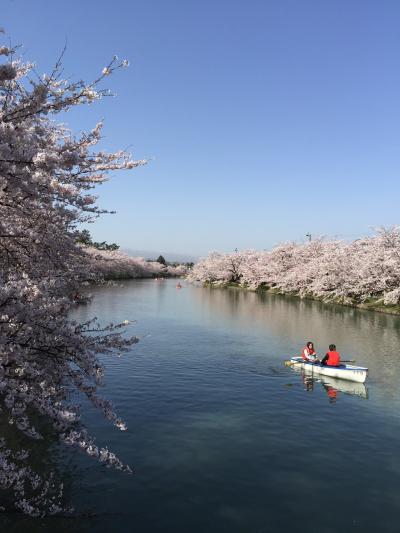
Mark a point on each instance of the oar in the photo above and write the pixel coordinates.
(291, 363)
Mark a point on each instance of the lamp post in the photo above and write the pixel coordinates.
(308, 235)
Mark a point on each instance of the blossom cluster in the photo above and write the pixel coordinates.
(47, 177)
(354, 272)
(118, 265)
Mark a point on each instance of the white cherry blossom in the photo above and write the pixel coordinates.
(47, 176)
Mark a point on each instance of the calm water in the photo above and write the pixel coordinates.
(222, 436)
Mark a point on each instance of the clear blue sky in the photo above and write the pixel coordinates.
(263, 119)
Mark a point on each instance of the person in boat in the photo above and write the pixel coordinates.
(331, 358)
(308, 353)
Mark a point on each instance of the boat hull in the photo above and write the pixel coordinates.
(346, 372)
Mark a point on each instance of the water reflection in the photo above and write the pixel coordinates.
(332, 386)
(372, 339)
(45, 459)
(214, 433)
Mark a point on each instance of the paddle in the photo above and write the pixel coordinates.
(292, 363)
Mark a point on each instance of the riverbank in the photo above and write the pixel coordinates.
(114, 265)
(372, 304)
(364, 273)
(118, 276)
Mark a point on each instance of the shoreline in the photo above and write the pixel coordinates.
(372, 304)
(124, 276)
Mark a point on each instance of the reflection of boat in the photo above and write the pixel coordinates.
(353, 388)
(332, 385)
(342, 372)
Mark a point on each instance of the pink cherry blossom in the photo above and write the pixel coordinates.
(47, 177)
(330, 270)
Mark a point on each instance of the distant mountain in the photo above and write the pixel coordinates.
(151, 254)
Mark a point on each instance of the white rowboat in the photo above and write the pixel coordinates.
(348, 372)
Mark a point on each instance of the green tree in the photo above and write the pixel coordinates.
(84, 237)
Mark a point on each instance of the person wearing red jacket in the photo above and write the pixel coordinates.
(308, 353)
(331, 358)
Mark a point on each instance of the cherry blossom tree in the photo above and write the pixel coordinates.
(351, 273)
(115, 264)
(47, 176)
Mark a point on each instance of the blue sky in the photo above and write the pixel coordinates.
(262, 120)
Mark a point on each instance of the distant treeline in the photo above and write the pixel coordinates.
(121, 265)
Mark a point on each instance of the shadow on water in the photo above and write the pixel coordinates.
(47, 459)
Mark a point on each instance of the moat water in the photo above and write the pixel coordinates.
(222, 436)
